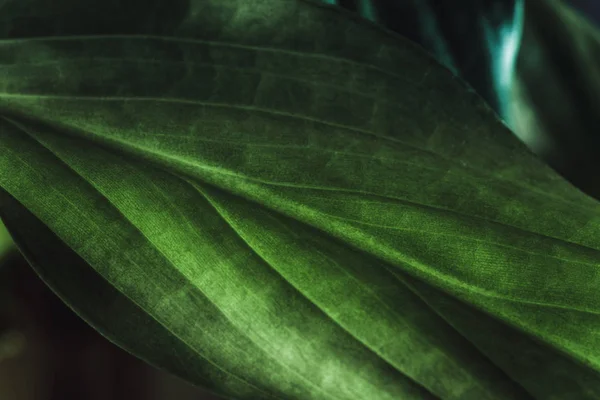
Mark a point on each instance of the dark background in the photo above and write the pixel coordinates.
(591, 8)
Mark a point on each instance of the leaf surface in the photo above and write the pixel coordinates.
(277, 199)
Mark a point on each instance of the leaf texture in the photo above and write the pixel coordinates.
(277, 199)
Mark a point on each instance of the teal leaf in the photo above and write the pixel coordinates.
(278, 199)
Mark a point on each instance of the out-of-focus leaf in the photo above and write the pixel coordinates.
(556, 101)
(477, 39)
(6, 243)
(277, 199)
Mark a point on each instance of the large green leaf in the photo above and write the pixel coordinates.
(278, 199)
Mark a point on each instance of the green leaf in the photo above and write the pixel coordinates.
(277, 199)
(6, 244)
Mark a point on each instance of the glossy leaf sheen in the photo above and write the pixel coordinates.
(278, 199)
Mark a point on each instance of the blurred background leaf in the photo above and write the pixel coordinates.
(6, 244)
(556, 93)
